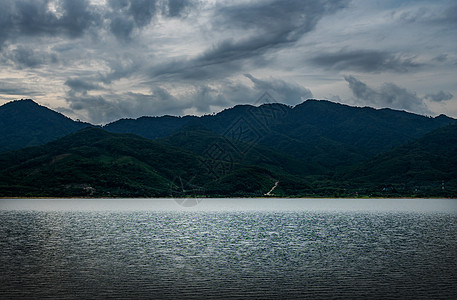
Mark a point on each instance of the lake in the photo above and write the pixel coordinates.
(228, 248)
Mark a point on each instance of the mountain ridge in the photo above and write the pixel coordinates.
(25, 123)
(315, 149)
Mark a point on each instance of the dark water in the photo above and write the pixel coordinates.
(227, 253)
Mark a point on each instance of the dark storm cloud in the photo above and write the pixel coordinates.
(75, 17)
(125, 58)
(365, 61)
(26, 57)
(127, 15)
(82, 86)
(270, 25)
(440, 96)
(388, 95)
(284, 20)
(32, 18)
(273, 23)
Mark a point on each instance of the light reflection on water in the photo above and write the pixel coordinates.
(228, 249)
(235, 204)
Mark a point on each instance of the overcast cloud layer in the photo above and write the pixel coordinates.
(99, 61)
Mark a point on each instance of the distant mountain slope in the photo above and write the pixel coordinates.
(331, 134)
(149, 127)
(423, 165)
(371, 131)
(24, 123)
(95, 163)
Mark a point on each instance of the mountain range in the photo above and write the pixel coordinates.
(315, 149)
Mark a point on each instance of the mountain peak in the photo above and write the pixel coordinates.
(21, 102)
(25, 123)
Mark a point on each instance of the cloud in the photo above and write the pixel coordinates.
(388, 95)
(128, 15)
(34, 18)
(125, 58)
(282, 91)
(443, 15)
(81, 86)
(105, 108)
(101, 106)
(16, 88)
(97, 108)
(178, 8)
(73, 18)
(281, 21)
(26, 57)
(249, 31)
(365, 61)
(440, 96)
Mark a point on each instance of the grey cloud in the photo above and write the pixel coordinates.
(282, 91)
(275, 24)
(451, 15)
(122, 67)
(78, 17)
(201, 99)
(440, 96)
(128, 15)
(80, 85)
(121, 27)
(98, 109)
(32, 17)
(365, 61)
(74, 18)
(445, 15)
(15, 87)
(110, 107)
(26, 57)
(286, 20)
(106, 108)
(389, 95)
(441, 58)
(177, 8)
(142, 11)
(272, 26)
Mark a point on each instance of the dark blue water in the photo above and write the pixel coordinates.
(227, 253)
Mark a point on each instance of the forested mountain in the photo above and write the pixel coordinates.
(93, 162)
(317, 148)
(425, 166)
(24, 123)
(313, 129)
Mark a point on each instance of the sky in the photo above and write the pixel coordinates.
(103, 60)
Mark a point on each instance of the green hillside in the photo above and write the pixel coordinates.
(95, 163)
(24, 123)
(427, 166)
(315, 149)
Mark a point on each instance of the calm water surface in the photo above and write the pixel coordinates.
(228, 249)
